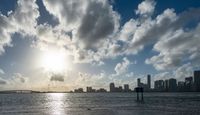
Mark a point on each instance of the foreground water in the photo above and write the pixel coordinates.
(99, 104)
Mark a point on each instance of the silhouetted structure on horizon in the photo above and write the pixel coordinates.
(149, 81)
(171, 85)
(159, 85)
(79, 90)
(168, 85)
(139, 91)
(146, 87)
(126, 88)
(90, 90)
(119, 89)
(188, 85)
(197, 80)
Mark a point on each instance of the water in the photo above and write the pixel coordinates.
(99, 104)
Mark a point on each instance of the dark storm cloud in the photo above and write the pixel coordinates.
(97, 23)
(57, 77)
(2, 82)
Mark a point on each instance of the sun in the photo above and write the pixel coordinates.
(54, 61)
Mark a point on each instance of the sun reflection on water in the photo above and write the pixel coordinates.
(56, 103)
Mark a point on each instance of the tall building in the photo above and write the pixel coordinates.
(149, 81)
(89, 89)
(189, 84)
(112, 87)
(172, 85)
(181, 86)
(166, 85)
(120, 89)
(126, 88)
(138, 82)
(159, 85)
(197, 80)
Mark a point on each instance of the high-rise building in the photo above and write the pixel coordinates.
(126, 88)
(166, 85)
(197, 80)
(149, 81)
(138, 82)
(112, 87)
(188, 84)
(89, 89)
(159, 85)
(172, 85)
(181, 86)
(120, 89)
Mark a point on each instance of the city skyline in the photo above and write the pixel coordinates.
(191, 84)
(67, 44)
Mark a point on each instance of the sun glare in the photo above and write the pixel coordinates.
(53, 61)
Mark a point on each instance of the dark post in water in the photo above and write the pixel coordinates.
(138, 91)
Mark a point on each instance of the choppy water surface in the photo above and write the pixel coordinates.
(99, 104)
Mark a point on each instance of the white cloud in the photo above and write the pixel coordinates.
(18, 78)
(175, 48)
(21, 20)
(122, 67)
(128, 30)
(5, 31)
(1, 71)
(89, 21)
(183, 71)
(163, 76)
(146, 8)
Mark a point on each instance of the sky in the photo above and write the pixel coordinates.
(66, 44)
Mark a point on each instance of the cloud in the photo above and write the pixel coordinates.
(146, 8)
(99, 22)
(2, 81)
(18, 78)
(25, 15)
(163, 76)
(5, 30)
(122, 67)
(1, 71)
(183, 71)
(21, 20)
(175, 48)
(180, 73)
(89, 21)
(57, 77)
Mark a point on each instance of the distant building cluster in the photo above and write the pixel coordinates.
(90, 90)
(169, 85)
(147, 86)
(120, 88)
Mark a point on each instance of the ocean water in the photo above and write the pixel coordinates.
(99, 104)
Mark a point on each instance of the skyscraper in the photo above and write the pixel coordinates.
(189, 84)
(149, 81)
(112, 87)
(89, 89)
(181, 86)
(159, 85)
(126, 88)
(138, 82)
(166, 85)
(172, 85)
(197, 80)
